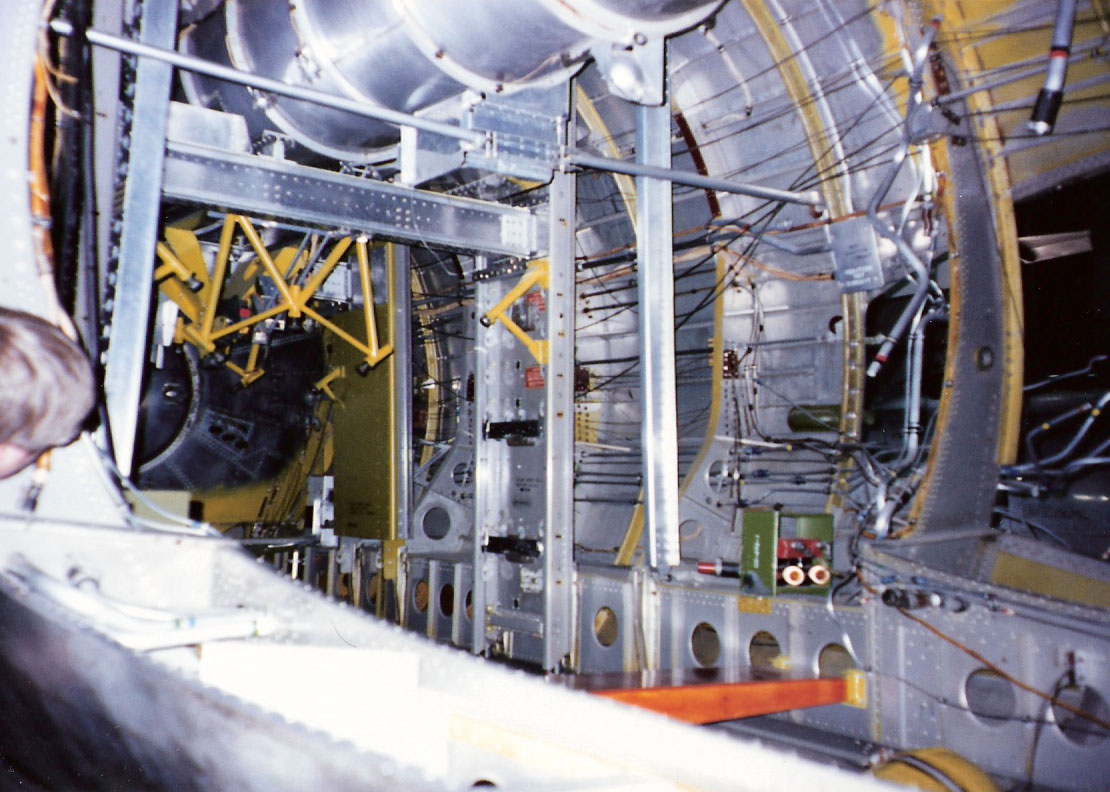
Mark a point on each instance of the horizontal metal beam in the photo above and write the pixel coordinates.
(221, 72)
(811, 198)
(278, 189)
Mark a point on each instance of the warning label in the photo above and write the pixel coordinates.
(857, 256)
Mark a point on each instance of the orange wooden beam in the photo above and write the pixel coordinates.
(714, 701)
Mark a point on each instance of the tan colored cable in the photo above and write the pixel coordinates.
(1012, 679)
(743, 260)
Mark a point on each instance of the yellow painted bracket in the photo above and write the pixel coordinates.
(182, 267)
(324, 384)
(537, 274)
(857, 688)
(373, 352)
(252, 373)
(391, 557)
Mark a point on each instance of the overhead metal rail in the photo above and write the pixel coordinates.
(693, 179)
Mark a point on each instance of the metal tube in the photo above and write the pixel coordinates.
(921, 272)
(1093, 412)
(1051, 96)
(1016, 76)
(1067, 450)
(915, 360)
(230, 74)
(691, 179)
(1093, 459)
(911, 416)
(921, 291)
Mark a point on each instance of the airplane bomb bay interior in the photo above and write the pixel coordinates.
(479, 380)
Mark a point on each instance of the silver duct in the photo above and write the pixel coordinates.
(410, 55)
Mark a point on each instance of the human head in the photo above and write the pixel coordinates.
(46, 389)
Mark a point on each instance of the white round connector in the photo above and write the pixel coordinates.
(819, 575)
(793, 575)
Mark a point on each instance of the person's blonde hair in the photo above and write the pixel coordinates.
(46, 384)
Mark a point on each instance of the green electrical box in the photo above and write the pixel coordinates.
(787, 553)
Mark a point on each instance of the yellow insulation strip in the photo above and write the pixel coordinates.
(626, 186)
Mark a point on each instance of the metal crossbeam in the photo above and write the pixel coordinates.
(264, 187)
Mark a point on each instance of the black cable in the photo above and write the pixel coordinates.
(776, 64)
(1030, 765)
(66, 188)
(1033, 528)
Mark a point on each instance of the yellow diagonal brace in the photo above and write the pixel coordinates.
(330, 264)
(215, 287)
(187, 301)
(373, 356)
(294, 305)
(374, 353)
(242, 324)
(537, 274)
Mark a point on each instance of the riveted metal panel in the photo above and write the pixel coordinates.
(276, 188)
(598, 591)
(923, 685)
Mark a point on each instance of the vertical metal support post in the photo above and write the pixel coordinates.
(107, 16)
(140, 215)
(490, 458)
(401, 337)
(559, 618)
(655, 261)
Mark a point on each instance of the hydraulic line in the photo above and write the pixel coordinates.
(920, 271)
(911, 425)
(1051, 95)
(1092, 412)
(1095, 459)
(1097, 360)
